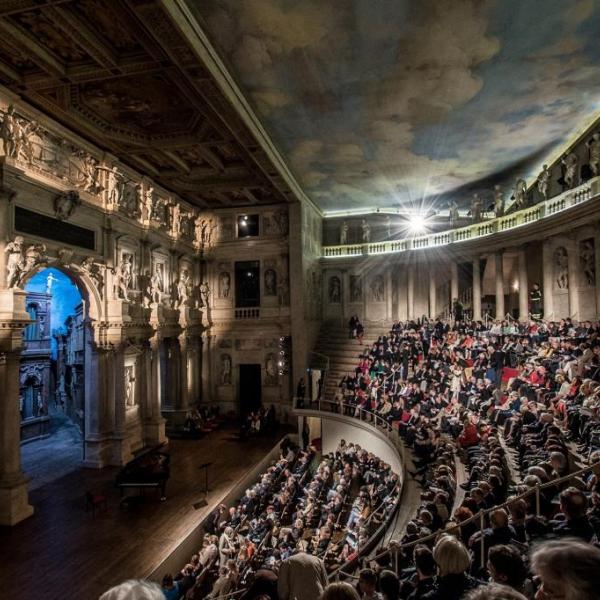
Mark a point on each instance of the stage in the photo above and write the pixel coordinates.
(64, 551)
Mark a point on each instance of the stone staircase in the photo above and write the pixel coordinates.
(343, 352)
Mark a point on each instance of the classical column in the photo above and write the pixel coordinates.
(344, 296)
(154, 425)
(476, 289)
(388, 294)
(206, 395)
(523, 286)
(14, 505)
(597, 266)
(432, 292)
(499, 265)
(411, 291)
(453, 283)
(548, 279)
(401, 297)
(573, 249)
(183, 400)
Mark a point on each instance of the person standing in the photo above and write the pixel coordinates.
(301, 577)
(535, 302)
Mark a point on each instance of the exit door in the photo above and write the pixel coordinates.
(250, 388)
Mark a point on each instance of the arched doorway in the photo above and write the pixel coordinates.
(52, 376)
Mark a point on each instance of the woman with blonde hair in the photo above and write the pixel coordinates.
(453, 562)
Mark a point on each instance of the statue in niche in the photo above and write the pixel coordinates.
(224, 284)
(543, 182)
(355, 288)
(124, 276)
(453, 213)
(184, 288)
(476, 206)
(50, 279)
(283, 291)
(205, 293)
(89, 267)
(25, 132)
(89, 173)
(157, 284)
(225, 369)
(498, 201)
(175, 219)
(377, 289)
(271, 370)
(34, 255)
(344, 233)
(185, 224)
(270, 282)
(9, 132)
(587, 260)
(14, 261)
(114, 186)
(280, 218)
(149, 204)
(129, 381)
(561, 267)
(570, 163)
(594, 150)
(366, 231)
(65, 205)
(335, 290)
(520, 194)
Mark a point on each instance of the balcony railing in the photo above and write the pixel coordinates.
(583, 193)
(247, 313)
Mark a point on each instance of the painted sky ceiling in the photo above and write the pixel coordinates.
(380, 103)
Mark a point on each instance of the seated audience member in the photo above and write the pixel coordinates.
(568, 569)
(573, 506)
(453, 563)
(367, 585)
(507, 567)
(494, 591)
(134, 589)
(389, 585)
(339, 591)
(170, 588)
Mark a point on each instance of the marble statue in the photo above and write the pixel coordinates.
(114, 186)
(366, 232)
(344, 233)
(224, 284)
(283, 291)
(205, 293)
(453, 213)
(520, 194)
(90, 174)
(9, 132)
(355, 288)
(157, 286)
(271, 369)
(570, 163)
(49, 281)
(594, 150)
(89, 267)
(175, 219)
(34, 255)
(270, 282)
(25, 132)
(543, 182)
(184, 288)
(129, 379)
(225, 369)
(280, 218)
(476, 205)
(498, 201)
(14, 261)
(124, 276)
(377, 289)
(149, 204)
(198, 231)
(335, 295)
(561, 266)
(65, 205)
(587, 259)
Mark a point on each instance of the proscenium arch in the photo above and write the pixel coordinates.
(92, 311)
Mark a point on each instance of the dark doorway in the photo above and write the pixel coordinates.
(249, 388)
(247, 284)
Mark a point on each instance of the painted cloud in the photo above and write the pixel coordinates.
(392, 102)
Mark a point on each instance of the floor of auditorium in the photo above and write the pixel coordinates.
(62, 551)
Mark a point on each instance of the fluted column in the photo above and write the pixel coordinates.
(499, 264)
(154, 424)
(206, 395)
(523, 286)
(432, 292)
(388, 293)
(453, 283)
(548, 279)
(476, 289)
(411, 291)
(573, 249)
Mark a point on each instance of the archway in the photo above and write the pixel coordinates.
(52, 375)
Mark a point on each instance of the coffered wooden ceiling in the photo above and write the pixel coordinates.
(121, 74)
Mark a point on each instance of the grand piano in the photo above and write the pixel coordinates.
(149, 469)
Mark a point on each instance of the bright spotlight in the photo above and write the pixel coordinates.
(417, 223)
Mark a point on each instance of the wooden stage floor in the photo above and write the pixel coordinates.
(62, 552)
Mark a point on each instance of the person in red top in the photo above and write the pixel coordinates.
(469, 436)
